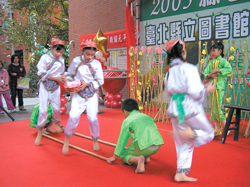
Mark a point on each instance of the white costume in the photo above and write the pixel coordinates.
(92, 73)
(49, 90)
(184, 86)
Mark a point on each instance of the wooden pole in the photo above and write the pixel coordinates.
(100, 141)
(77, 148)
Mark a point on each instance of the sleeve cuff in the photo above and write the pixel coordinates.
(202, 94)
(94, 85)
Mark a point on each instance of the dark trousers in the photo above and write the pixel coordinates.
(13, 91)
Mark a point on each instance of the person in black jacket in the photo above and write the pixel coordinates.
(16, 70)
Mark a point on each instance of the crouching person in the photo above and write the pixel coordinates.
(146, 139)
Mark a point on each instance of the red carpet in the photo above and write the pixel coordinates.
(24, 164)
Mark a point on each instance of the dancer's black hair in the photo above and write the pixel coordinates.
(130, 105)
(218, 46)
(176, 52)
(89, 48)
(58, 47)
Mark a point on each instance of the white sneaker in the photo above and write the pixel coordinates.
(2, 112)
(14, 110)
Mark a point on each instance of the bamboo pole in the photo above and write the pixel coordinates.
(76, 148)
(216, 96)
(143, 81)
(100, 141)
(199, 57)
(212, 100)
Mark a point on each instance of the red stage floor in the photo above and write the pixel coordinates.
(24, 164)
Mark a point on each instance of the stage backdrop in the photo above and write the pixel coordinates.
(198, 20)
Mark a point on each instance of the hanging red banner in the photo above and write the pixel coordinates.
(115, 39)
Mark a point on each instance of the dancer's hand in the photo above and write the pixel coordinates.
(57, 79)
(84, 85)
(63, 77)
(111, 159)
(213, 75)
(211, 87)
(4, 86)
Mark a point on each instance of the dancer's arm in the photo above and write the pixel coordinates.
(122, 141)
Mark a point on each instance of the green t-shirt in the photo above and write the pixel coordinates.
(140, 128)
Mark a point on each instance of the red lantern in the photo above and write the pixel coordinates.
(114, 104)
(118, 97)
(119, 103)
(107, 104)
(63, 101)
(62, 88)
(63, 109)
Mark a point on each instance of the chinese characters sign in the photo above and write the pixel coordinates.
(115, 39)
(221, 26)
(193, 21)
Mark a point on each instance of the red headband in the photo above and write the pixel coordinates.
(56, 41)
(170, 44)
(85, 44)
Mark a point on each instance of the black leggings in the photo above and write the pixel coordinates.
(13, 91)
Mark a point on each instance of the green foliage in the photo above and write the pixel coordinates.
(33, 73)
(37, 23)
(5, 64)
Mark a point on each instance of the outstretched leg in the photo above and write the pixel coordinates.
(96, 145)
(65, 149)
(39, 136)
(91, 111)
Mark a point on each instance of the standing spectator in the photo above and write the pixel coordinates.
(16, 71)
(4, 88)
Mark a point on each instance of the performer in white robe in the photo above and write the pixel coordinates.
(186, 92)
(50, 71)
(89, 72)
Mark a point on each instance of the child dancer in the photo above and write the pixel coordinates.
(146, 139)
(4, 89)
(223, 70)
(50, 70)
(186, 92)
(49, 122)
(89, 72)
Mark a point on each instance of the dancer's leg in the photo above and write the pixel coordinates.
(92, 111)
(184, 149)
